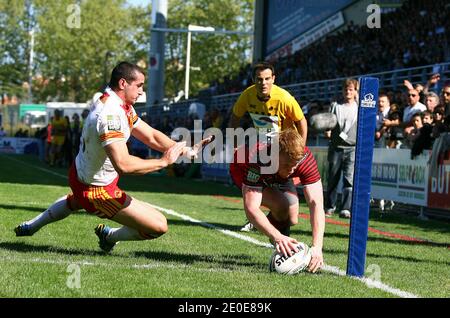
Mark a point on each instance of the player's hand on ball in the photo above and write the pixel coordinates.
(316, 259)
(286, 245)
(172, 154)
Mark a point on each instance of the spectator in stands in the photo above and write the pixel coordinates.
(399, 99)
(2, 132)
(412, 35)
(418, 87)
(432, 100)
(438, 120)
(413, 134)
(427, 117)
(446, 99)
(59, 128)
(76, 134)
(68, 145)
(382, 114)
(434, 79)
(48, 141)
(41, 135)
(19, 133)
(414, 107)
(341, 150)
(393, 128)
(84, 115)
(423, 139)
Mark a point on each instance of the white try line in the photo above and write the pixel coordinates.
(332, 269)
(109, 265)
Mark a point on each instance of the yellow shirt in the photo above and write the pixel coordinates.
(59, 126)
(281, 111)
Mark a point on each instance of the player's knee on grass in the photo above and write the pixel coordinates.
(156, 229)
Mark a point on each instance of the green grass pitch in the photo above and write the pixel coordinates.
(193, 261)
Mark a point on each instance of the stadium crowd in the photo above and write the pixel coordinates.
(412, 35)
(415, 34)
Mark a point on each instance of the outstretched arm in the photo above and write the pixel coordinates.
(124, 163)
(151, 137)
(155, 139)
(314, 198)
(252, 202)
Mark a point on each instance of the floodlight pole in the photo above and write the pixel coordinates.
(191, 28)
(188, 66)
(197, 29)
(30, 67)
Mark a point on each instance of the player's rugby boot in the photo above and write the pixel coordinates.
(102, 231)
(23, 230)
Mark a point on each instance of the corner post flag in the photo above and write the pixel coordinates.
(359, 223)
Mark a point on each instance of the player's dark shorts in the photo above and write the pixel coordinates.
(103, 201)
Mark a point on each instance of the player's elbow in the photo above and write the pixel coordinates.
(122, 167)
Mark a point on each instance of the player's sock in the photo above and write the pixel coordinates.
(57, 211)
(126, 233)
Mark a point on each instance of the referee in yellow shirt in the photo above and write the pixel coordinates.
(269, 106)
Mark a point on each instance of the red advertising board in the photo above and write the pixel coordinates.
(439, 183)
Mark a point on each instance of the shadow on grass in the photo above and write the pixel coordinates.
(30, 248)
(227, 261)
(387, 256)
(299, 233)
(22, 207)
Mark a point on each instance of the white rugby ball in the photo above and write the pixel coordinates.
(293, 264)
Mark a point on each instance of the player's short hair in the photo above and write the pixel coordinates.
(292, 144)
(125, 70)
(350, 81)
(261, 66)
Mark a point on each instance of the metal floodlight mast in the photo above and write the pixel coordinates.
(194, 29)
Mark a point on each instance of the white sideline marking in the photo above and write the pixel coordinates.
(88, 263)
(332, 269)
(211, 226)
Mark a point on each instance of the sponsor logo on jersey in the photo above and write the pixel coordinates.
(113, 122)
(265, 121)
(253, 176)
